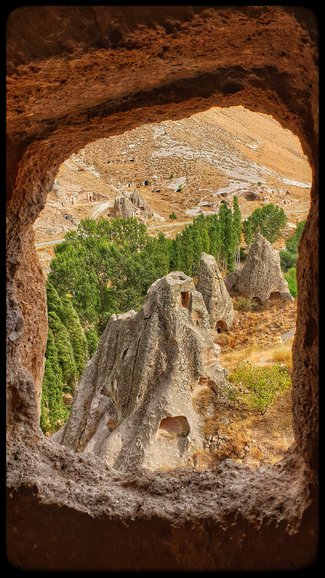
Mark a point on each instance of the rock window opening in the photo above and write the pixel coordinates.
(221, 326)
(177, 426)
(275, 296)
(185, 298)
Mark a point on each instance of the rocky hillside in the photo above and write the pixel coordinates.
(184, 167)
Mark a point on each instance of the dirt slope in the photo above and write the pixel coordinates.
(189, 166)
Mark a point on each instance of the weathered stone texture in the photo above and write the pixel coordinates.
(131, 205)
(261, 275)
(215, 295)
(134, 403)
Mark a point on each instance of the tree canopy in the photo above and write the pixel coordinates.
(269, 221)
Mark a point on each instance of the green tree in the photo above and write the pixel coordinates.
(201, 224)
(54, 302)
(237, 224)
(293, 242)
(248, 231)
(176, 255)
(291, 278)
(289, 256)
(269, 221)
(92, 340)
(227, 238)
(188, 250)
(70, 318)
(65, 352)
(53, 410)
(215, 236)
(287, 260)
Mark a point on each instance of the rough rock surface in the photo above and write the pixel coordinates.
(215, 295)
(261, 276)
(141, 206)
(88, 73)
(134, 403)
(130, 206)
(123, 208)
(232, 279)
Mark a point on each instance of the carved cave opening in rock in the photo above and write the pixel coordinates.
(64, 517)
(275, 296)
(185, 298)
(176, 426)
(221, 326)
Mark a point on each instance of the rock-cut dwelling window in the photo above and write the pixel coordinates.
(185, 298)
(221, 326)
(177, 426)
(275, 296)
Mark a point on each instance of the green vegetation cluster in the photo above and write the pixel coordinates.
(66, 355)
(269, 221)
(257, 387)
(289, 258)
(106, 267)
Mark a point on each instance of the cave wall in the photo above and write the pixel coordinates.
(91, 72)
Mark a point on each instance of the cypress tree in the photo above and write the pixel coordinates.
(53, 410)
(65, 352)
(227, 238)
(197, 245)
(177, 261)
(54, 302)
(92, 340)
(248, 231)
(237, 227)
(187, 250)
(70, 318)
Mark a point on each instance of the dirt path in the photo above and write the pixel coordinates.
(48, 243)
(100, 208)
(167, 225)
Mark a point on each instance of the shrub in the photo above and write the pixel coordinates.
(179, 188)
(242, 254)
(246, 304)
(291, 278)
(173, 216)
(288, 260)
(257, 387)
(293, 242)
(92, 340)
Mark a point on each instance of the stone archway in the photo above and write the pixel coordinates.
(69, 85)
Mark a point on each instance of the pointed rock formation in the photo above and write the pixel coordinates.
(215, 295)
(130, 205)
(123, 208)
(134, 403)
(140, 205)
(261, 276)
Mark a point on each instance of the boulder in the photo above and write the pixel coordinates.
(140, 205)
(123, 207)
(215, 295)
(261, 276)
(130, 205)
(134, 403)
